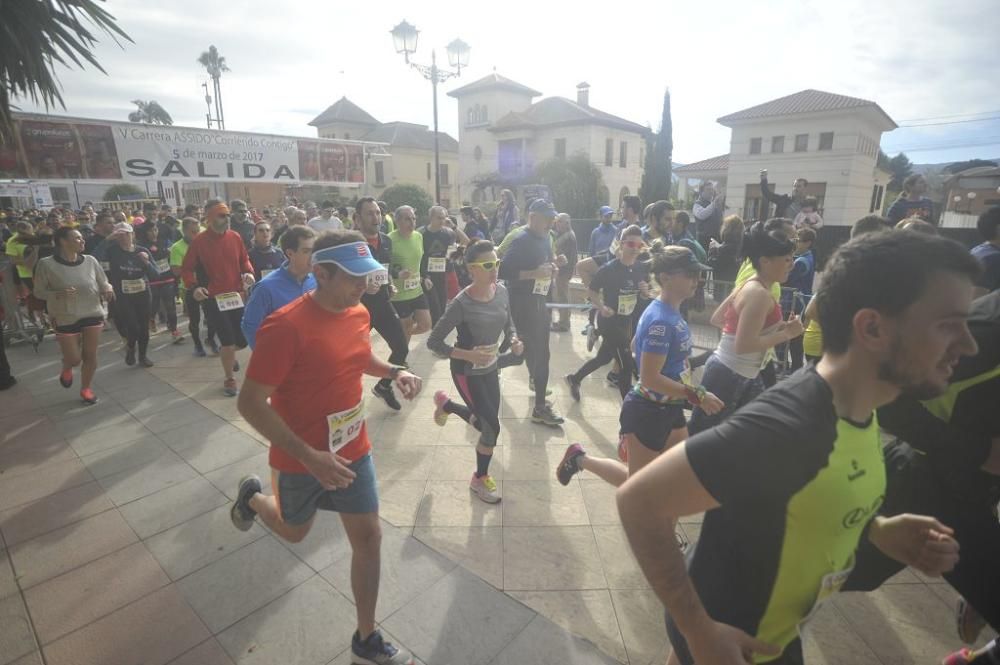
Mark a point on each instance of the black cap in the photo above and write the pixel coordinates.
(680, 259)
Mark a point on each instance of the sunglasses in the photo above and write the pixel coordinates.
(486, 265)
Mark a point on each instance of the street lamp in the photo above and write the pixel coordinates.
(404, 40)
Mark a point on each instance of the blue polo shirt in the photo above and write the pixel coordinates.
(270, 294)
(601, 237)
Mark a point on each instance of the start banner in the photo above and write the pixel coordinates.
(50, 148)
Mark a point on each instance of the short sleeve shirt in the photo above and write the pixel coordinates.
(617, 282)
(663, 331)
(315, 359)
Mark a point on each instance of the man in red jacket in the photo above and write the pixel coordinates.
(217, 270)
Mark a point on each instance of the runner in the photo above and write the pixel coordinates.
(163, 289)
(264, 256)
(240, 221)
(326, 220)
(291, 281)
(751, 325)
(481, 313)
(132, 271)
(190, 228)
(409, 300)
(74, 284)
(652, 415)
(218, 254)
(528, 269)
(791, 482)
(368, 220)
(614, 292)
(437, 238)
(304, 393)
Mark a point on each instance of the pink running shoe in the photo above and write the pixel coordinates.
(440, 415)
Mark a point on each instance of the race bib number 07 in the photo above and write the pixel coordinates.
(345, 426)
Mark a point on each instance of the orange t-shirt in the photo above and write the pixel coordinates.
(315, 359)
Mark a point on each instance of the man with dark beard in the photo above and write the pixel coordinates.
(793, 481)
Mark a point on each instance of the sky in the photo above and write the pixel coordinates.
(925, 62)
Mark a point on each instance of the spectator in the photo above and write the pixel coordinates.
(708, 210)
(326, 221)
(988, 253)
(601, 237)
(505, 218)
(800, 279)
(912, 202)
(785, 205)
(725, 257)
(565, 246)
(683, 236)
(808, 216)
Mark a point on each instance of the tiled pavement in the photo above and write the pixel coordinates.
(117, 546)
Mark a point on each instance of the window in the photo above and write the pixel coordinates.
(476, 116)
(428, 170)
(777, 144)
(444, 175)
(755, 146)
(642, 156)
(560, 149)
(826, 141)
(609, 152)
(877, 192)
(623, 154)
(801, 142)
(379, 173)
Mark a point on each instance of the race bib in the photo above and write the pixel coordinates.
(345, 426)
(436, 264)
(228, 301)
(626, 303)
(130, 286)
(265, 273)
(829, 585)
(379, 278)
(106, 266)
(162, 266)
(411, 283)
(492, 350)
(542, 286)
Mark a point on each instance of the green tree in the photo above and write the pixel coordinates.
(150, 113)
(657, 180)
(37, 35)
(408, 195)
(576, 185)
(123, 192)
(901, 167)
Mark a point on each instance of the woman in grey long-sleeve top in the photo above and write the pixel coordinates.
(481, 314)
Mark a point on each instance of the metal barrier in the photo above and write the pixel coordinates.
(16, 325)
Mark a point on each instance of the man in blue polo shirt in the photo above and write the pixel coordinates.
(285, 284)
(601, 237)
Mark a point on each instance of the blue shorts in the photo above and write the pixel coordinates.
(300, 495)
(650, 422)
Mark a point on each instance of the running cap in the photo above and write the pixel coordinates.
(684, 261)
(607, 210)
(123, 227)
(543, 207)
(354, 258)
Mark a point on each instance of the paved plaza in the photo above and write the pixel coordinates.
(117, 546)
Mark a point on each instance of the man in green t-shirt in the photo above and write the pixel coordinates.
(191, 227)
(407, 255)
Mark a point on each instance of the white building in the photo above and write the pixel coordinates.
(502, 136)
(830, 140)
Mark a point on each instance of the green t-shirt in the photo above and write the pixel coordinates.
(15, 250)
(177, 252)
(406, 255)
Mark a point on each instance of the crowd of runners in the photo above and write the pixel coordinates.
(776, 435)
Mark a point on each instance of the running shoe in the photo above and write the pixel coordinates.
(66, 377)
(969, 622)
(568, 467)
(130, 356)
(214, 346)
(612, 378)
(229, 388)
(485, 488)
(440, 415)
(963, 656)
(574, 386)
(145, 362)
(376, 651)
(386, 394)
(88, 396)
(546, 415)
(178, 336)
(531, 387)
(592, 336)
(241, 513)
(199, 351)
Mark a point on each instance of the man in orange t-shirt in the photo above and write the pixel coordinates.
(303, 392)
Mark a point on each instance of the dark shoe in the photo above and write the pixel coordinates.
(213, 346)
(145, 362)
(568, 467)
(612, 378)
(376, 651)
(574, 387)
(386, 394)
(241, 513)
(199, 350)
(546, 415)
(130, 356)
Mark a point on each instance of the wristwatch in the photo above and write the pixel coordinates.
(394, 372)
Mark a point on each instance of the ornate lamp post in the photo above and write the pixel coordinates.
(404, 39)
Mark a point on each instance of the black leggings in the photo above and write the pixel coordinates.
(165, 298)
(133, 313)
(615, 342)
(481, 394)
(193, 308)
(531, 320)
(385, 320)
(437, 297)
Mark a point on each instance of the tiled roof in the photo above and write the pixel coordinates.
(806, 101)
(344, 110)
(492, 81)
(410, 135)
(720, 163)
(558, 111)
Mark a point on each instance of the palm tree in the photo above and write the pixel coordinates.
(215, 64)
(35, 37)
(150, 113)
